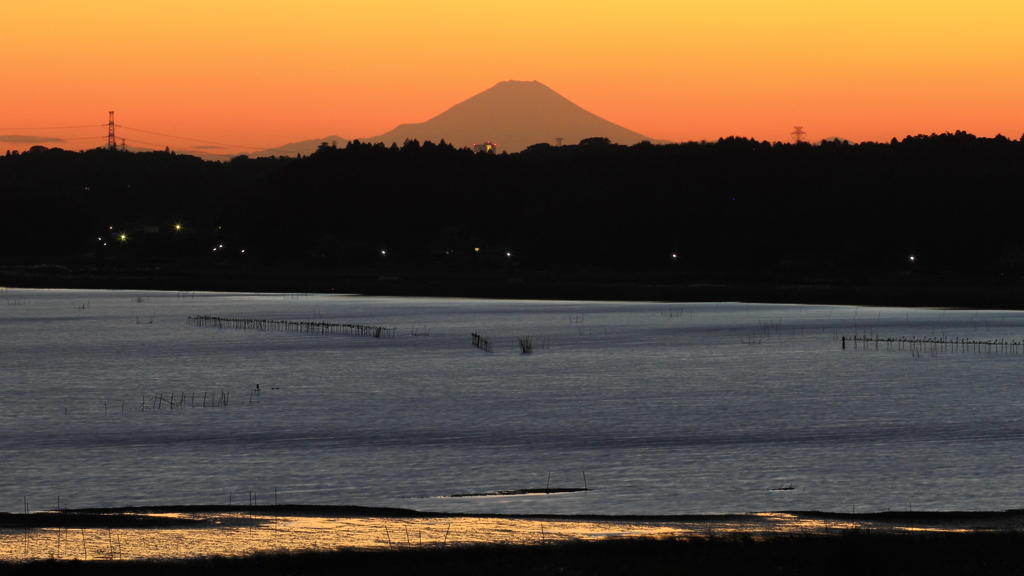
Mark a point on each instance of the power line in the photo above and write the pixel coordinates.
(57, 127)
(54, 140)
(110, 131)
(162, 147)
(184, 138)
(158, 146)
(80, 138)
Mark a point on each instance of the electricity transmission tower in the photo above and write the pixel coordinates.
(111, 139)
(798, 134)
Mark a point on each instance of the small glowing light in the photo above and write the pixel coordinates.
(383, 252)
(508, 254)
(476, 249)
(911, 258)
(214, 249)
(177, 226)
(124, 236)
(243, 251)
(220, 246)
(674, 256)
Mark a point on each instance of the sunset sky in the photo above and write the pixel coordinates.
(260, 74)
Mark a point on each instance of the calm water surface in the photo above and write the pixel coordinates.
(666, 409)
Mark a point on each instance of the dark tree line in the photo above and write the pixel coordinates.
(951, 200)
(59, 205)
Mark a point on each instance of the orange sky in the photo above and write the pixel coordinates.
(263, 73)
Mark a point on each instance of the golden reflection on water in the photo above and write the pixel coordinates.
(791, 523)
(239, 534)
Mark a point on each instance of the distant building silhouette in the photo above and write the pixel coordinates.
(486, 148)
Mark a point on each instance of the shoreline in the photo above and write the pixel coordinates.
(66, 517)
(994, 292)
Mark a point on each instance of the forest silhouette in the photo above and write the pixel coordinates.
(733, 206)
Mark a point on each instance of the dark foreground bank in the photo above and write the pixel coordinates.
(899, 542)
(849, 553)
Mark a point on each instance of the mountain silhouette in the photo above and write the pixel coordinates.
(513, 114)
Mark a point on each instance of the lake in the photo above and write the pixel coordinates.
(657, 408)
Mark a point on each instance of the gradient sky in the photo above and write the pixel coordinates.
(263, 73)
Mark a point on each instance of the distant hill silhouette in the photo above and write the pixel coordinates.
(306, 147)
(513, 114)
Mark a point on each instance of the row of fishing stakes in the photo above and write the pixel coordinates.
(292, 326)
(209, 400)
(938, 344)
(482, 343)
(525, 344)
